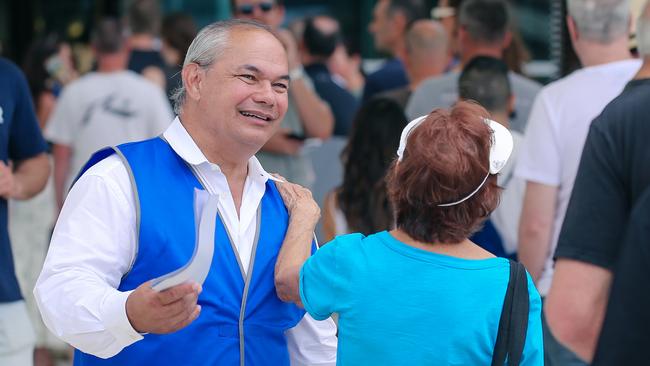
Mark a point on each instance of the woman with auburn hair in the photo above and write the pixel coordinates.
(422, 293)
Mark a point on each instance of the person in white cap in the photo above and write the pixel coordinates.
(422, 293)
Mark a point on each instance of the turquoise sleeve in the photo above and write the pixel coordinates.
(326, 277)
(317, 289)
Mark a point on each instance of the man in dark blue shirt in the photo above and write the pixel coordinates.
(144, 23)
(24, 170)
(389, 24)
(320, 38)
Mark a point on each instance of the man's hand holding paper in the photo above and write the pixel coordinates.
(150, 311)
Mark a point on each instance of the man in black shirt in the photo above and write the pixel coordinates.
(625, 333)
(613, 175)
(145, 57)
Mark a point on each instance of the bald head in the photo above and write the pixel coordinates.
(325, 24)
(321, 36)
(426, 37)
(426, 50)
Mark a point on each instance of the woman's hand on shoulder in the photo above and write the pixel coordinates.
(298, 200)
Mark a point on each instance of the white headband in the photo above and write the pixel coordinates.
(500, 150)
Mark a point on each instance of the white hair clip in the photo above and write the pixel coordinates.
(500, 150)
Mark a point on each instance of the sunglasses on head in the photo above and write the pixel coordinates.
(248, 9)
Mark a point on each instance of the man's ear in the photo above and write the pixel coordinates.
(399, 21)
(511, 104)
(573, 29)
(192, 77)
(461, 34)
(408, 56)
(507, 39)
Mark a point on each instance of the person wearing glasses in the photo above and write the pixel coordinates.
(269, 12)
(308, 116)
(421, 293)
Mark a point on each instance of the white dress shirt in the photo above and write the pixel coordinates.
(94, 245)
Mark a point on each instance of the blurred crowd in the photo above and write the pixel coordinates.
(574, 202)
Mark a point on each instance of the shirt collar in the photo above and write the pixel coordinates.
(183, 144)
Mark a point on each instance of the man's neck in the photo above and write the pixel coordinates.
(111, 62)
(644, 71)
(418, 75)
(480, 50)
(229, 158)
(501, 117)
(398, 51)
(232, 160)
(308, 60)
(141, 41)
(594, 53)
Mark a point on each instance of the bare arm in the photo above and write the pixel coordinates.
(46, 103)
(26, 180)
(536, 227)
(280, 143)
(316, 116)
(296, 247)
(155, 75)
(329, 223)
(62, 155)
(575, 306)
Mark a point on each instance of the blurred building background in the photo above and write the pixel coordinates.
(541, 23)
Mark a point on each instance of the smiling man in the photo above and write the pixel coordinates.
(129, 219)
(308, 116)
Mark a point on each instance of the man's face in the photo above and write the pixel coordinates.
(263, 11)
(382, 27)
(243, 95)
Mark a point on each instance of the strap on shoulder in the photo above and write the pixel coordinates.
(513, 324)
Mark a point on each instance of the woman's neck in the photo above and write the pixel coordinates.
(465, 249)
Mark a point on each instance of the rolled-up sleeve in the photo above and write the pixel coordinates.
(92, 247)
(318, 290)
(325, 282)
(327, 277)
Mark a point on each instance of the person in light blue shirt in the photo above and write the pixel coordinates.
(422, 293)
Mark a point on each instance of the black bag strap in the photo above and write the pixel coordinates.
(514, 319)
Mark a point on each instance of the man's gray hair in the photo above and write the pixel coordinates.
(144, 17)
(600, 21)
(208, 46)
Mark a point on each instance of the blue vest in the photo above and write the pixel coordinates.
(239, 315)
